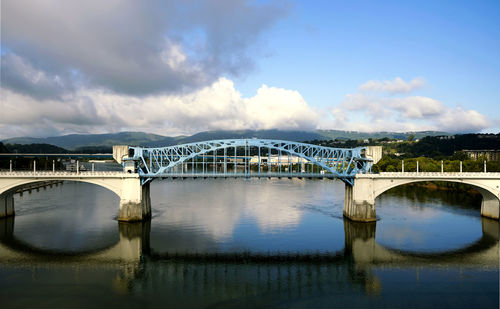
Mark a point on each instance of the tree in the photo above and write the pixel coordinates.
(3, 149)
(411, 137)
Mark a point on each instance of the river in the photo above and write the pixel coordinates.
(229, 243)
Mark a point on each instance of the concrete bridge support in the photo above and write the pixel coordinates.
(359, 201)
(135, 201)
(490, 205)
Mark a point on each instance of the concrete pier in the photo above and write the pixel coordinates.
(490, 205)
(135, 202)
(359, 204)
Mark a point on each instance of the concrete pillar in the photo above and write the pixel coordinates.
(135, 202)
(490, 204)
(359, 201)
(460, 166)
(402, 166)
(6, 205)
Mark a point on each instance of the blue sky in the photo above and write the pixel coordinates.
(176, 67)
(329, 48)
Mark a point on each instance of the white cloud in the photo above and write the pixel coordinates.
(218, 106)
(459, 120)
(417, 107)
(398, 85)
(371, 112)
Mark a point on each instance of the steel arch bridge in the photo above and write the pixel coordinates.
(249, 158)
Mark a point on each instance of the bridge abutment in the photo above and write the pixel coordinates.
(359, 203)
(6, 205)
(135, 201)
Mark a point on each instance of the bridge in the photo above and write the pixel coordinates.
(359, 202)
(249, 158)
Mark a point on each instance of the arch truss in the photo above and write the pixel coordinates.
(249, 158)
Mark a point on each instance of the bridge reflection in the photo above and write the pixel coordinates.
(360, 246)
(242, 274)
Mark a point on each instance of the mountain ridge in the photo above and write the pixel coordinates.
(73, 141)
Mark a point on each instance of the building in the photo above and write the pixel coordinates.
(490, 155)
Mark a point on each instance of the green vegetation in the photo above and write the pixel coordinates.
(442, 147)
(393, 164)
(34, 148)
(3, 149)
(436, 147)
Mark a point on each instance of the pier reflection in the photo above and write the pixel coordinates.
(131, 264)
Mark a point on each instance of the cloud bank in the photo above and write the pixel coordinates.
(218, 106)
(166, 67)
(376, 108)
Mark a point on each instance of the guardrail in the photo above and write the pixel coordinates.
(67, 174)
(433, 174)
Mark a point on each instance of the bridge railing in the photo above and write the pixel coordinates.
(435, 174)
(61, 173)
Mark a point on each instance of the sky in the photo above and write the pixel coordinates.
(182, 67)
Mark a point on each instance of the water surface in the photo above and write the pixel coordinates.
(247, 243)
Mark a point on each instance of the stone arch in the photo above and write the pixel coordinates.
(490, 205)
(359, 202)
(14, 184)
(380, 189)
(135, 201)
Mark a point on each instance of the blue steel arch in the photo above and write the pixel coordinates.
(341, 163)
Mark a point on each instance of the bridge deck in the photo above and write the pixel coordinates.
(64, 174)
(120, 174)
(248, 175)
(433, 175)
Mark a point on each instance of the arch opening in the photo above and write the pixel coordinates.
(15, 185)
(474, 191)
(10, 187)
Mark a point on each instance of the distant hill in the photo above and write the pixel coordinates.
(104, 141)
(34, 148)
(346, 135)
(74, 141)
